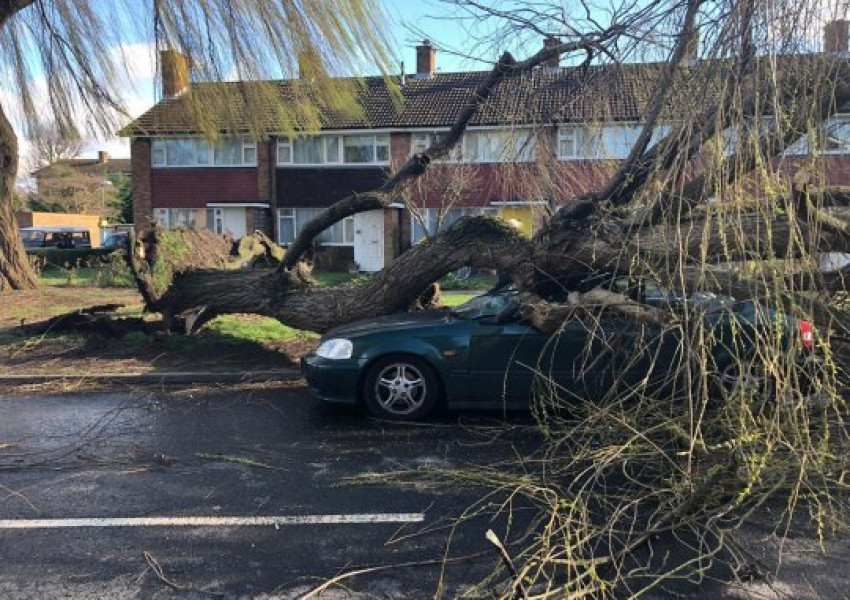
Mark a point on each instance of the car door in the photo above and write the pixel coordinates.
(507, 360)
(630, 356)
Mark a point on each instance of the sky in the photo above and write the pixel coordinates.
(409, 22)
(456, 37)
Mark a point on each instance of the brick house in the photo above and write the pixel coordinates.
(97, 168)
(68, 179)
(541, 138)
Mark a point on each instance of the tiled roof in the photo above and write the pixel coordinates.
(88, 166)
(598, 93)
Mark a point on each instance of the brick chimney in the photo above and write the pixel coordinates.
(102, 157)
(426, 60)
(174, 69)
(836, 35)
(555, 61)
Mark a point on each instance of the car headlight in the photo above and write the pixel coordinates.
(335, 348)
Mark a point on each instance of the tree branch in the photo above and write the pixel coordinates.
(418, 163)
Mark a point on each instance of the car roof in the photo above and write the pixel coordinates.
(57, 229)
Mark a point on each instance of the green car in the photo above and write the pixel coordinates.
(483, 354)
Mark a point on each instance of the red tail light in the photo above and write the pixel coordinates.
(807, 334)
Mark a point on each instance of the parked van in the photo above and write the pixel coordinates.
(36, 238)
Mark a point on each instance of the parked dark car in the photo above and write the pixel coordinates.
(115, 240)
(60, 238)
(483, 354)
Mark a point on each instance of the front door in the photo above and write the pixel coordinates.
(369, 240)
(235, 222)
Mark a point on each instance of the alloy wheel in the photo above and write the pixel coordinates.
(400, 389)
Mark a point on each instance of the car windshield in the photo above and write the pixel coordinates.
(32, 238)
(488, 305)
(649, 292)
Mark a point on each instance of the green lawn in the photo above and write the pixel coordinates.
(253, 328)
(456, 299)
(108, 275)
(84, 276)
(482, 282)
(332, 277)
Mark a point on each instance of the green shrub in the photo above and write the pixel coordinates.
(114, 271)
(68, 258)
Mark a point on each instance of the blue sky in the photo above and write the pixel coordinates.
(463, 44)
(409, 22)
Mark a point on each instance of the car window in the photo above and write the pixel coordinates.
(488, 305)
(651, 293)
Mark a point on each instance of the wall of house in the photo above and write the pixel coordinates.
(319, 187)
(332, 258)
(195, 188)
(140, 161)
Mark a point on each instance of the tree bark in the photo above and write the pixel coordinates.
(16, 273)
(478, 241)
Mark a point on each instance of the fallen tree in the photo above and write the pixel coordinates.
(639, 221)
(628, 466)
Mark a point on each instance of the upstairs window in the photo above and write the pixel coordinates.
(601, 142)
(835, 136)
(499, 145)
(354, 149)
(420, 142)
(197, 152)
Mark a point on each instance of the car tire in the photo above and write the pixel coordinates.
(744, 377)
(401, 388)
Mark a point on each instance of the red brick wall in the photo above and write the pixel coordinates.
(264, 172)
(482, 184)
(194, 188)
(140, 163)
(399, 149)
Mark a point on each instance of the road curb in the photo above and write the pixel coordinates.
(158, 378)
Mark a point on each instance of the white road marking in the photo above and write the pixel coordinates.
(213, 521)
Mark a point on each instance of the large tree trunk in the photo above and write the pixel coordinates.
(285, 295)
(562, 256)
(15, 270)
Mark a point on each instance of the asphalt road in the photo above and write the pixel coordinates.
(97, 461)
(250, 453)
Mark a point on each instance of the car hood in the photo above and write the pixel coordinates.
(394, 322)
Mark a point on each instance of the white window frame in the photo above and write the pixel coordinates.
(836, 120)
(424, 142)
(562, 136)
(347, 227)
(159, 146)
(218, 221)
(162, 216)
(165, 217)
(380, 139)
